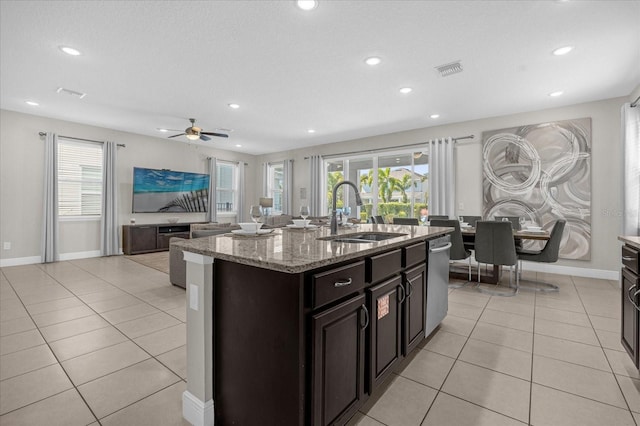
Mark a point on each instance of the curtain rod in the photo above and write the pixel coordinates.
(42, 134)
(390, 148)
(227, 161)
(635, 103)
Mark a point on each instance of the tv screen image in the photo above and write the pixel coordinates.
(160, 191)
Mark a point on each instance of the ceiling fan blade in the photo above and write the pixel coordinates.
(220, 135)
(175, 136)
(204, 138)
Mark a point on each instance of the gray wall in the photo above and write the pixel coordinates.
(21, 180)
(606, 175)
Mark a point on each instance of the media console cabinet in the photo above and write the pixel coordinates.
(148, 238)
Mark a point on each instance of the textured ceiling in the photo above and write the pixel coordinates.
(153, 64)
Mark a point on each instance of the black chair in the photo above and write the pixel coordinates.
(437, 216)
(495, 245)
(406, 221)
(377, 219)
(548, 254)
(457, 251)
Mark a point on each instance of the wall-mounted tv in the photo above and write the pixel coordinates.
(160, 191)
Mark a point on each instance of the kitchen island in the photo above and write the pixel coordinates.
(297, 328)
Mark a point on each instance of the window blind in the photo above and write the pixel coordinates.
(79, 178)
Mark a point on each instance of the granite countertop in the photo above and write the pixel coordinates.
(631, 240)
(299, 250)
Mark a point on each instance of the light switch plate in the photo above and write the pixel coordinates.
(193, 297)
(7, 245)
(460, 206)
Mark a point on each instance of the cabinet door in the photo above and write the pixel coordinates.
(415, 307)
(142, 239)
(630, 315)
(385, 338)
(338, 368)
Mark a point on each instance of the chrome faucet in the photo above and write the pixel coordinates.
(334, 209)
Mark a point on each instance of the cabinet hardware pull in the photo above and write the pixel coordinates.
(630, 298)
(342, 283)
(410, 288)
(366, 316)
(628, 258)
(404, 296)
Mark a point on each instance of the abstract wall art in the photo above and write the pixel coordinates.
(542, 172)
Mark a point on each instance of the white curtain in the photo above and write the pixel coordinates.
(212, 199)
(265, 179)
(315, 185)
(49, 246)
(287, 190)
(241, 199)
(109, 241)
(441, 177)
(631, 170)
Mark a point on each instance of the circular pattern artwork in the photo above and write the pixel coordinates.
(542, 172)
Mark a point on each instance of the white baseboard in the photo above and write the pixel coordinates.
(18, 261)
(30, 260)
(196, 412)
(571, 270)
(80, 255)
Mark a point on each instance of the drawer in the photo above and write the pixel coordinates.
(336, 283)
(414, 254)
(384, 265)
(630, 258)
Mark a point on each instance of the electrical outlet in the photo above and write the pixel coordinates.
(7, 245)
(460, 206)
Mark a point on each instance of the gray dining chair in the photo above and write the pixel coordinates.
(495, 245)
(471, 220)
(437, 216)
(457, 251)
(406, 221)
(377, 219)
(548, 254)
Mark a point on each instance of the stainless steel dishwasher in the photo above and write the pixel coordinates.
(437, 282)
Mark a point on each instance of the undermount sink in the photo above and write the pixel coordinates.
(363, 237)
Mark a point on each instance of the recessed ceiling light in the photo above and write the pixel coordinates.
(32, 103)
(311, 131)
(434, 116)
(562, 50)
(307, 4)
(70, 51)
(234, 106)
(406, 90)
(554, 94)
(163, 130)
(238, 145)
(374, 60)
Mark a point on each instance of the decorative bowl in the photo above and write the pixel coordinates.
(250, 226)
(301, 222)
(173, 219)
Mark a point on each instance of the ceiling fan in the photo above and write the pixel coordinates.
(194, 133)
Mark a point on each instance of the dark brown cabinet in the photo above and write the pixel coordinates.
(149, 238)
(631, 303)
(385, 333)
(339, 361)
(415, 307)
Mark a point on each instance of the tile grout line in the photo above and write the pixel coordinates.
(624, 397)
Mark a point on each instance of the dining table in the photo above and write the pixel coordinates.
(492, 275)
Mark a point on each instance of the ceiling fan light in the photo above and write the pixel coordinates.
(193, 137)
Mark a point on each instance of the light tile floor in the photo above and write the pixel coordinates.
(102, 341)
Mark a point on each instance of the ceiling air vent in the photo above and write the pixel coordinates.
(449, 69)
(79, 95)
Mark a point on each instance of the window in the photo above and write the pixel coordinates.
(226, 187)
(390, 185)
(275, 185)
(79, 178)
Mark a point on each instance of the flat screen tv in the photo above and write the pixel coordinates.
(159, 191)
